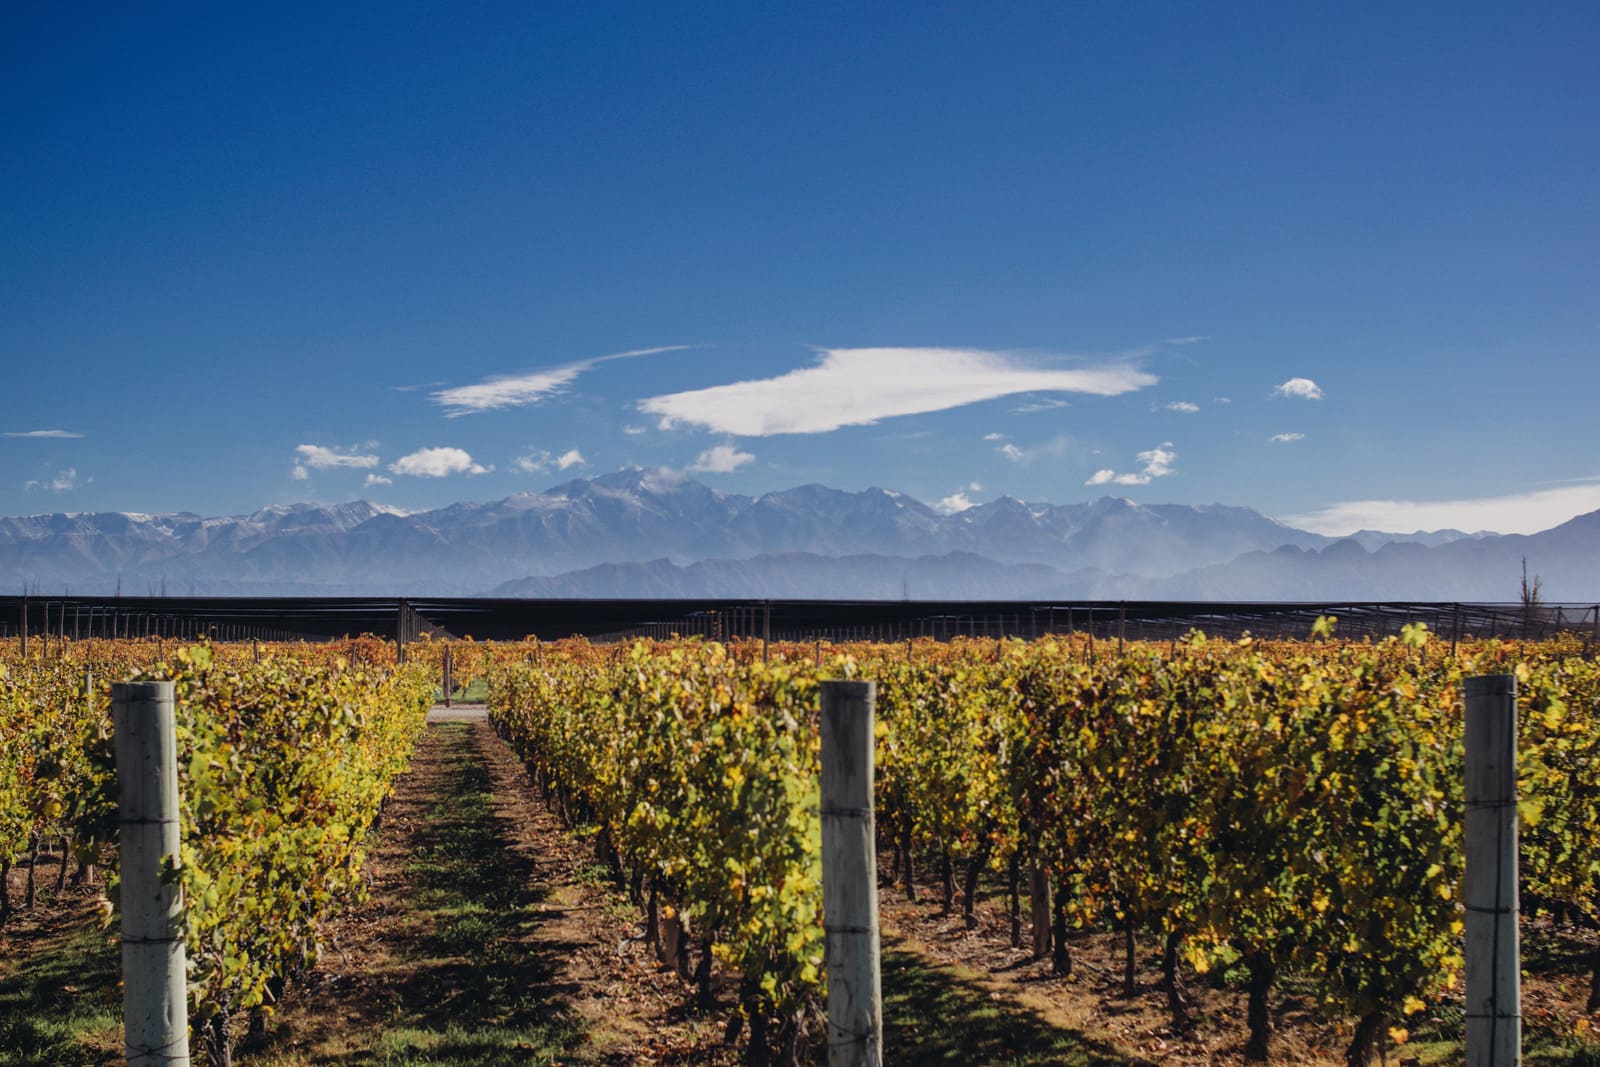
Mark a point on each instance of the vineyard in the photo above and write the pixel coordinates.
(1268, 815)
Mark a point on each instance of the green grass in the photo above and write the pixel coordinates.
(62, 1005)
(467, 987)
(477, 692)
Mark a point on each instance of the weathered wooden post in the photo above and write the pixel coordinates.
(1494, 980)
(1040, 913)
(154, 1000)
(850, 876)
(449, 679)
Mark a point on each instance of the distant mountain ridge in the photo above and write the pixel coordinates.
(643, 532)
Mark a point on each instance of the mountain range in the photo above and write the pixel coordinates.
(643, 532)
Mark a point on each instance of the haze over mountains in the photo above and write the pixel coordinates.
(659, 534)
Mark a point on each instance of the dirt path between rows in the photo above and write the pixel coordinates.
(489, 937)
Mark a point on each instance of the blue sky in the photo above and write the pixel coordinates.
(1337, 262)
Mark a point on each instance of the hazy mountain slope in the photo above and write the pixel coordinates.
(806, 575)
(1110, 547)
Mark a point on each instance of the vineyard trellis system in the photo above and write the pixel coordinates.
(405, 619)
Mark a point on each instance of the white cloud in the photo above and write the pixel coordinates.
(64, 482)
(1158, 461)
(1157, 464)
(721, 459)
(42, 433)
(1304, 388)
(539, 461)
(633, 431)
(1184, 406)
(1222, 400)
(953, 503)
(1522, 513)
(1286, 438)
(320, 458)
(378, 479)
(437, 463)
(1049, 403)
(974, 487)
(1054, 448)
(299, 473)
(520, 390)
(860, 386)
(994, 437)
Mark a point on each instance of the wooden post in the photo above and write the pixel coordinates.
(1039, 898)
(1494, 983)
(449, 682)
(766, 631)
(155, 1005)
(850, 876)
(24, 627)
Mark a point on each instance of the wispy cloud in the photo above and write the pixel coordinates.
(569, 459)
(860, 386)
(1157, 464)
(994, 437)
(520, 390)
(954, 503)
(1304, 388)
(1186, 407)
(437, 463)
(42, 433)
(721, 459)
(1054, 448)
(634, 431)
(1049, 403)
(1522, 513)
(319, 458)
(378, 479)
(64, 482)
(1287, 438)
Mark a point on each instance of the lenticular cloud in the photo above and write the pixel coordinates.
(859, 386)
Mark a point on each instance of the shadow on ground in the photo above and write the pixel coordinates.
(63, 1004)
(934, 1015)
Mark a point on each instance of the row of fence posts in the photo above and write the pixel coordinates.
(154, 1002)
(109, 623)
(1108, 623)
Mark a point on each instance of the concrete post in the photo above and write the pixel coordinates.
(154, 999)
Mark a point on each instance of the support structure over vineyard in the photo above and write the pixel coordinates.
(406, 619)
